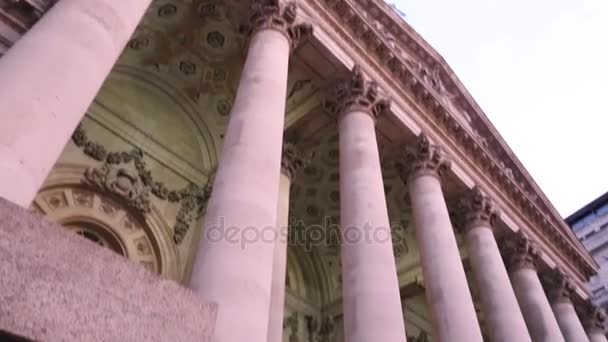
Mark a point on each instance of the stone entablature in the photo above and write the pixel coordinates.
(422, 80)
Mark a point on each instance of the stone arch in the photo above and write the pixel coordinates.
(84, 209)
(65, 178)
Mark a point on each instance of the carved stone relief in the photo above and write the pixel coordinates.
(137, 184)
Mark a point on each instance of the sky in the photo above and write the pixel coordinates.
(539, 71)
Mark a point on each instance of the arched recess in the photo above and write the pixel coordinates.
(137, 109)
(306, 279)
(108, 220)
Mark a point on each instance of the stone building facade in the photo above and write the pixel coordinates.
(187, 135)
(589, 224)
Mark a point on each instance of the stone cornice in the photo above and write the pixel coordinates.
(427, 78)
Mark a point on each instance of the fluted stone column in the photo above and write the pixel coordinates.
(49, 79)
(522, 256)
(291, 162)
(234, 263)
(505, 322)
(371, 299)
(560, 295)
(451, 305)
(594, 320)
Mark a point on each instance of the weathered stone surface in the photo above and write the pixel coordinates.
(57, 286)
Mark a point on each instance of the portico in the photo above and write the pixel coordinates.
(192, 141)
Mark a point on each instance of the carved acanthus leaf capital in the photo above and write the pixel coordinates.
(478, 210)
(279, 16)
(356, 94)
(593, 317)
(426, 159)
(560, 286)
(292, 160)
(521, 252)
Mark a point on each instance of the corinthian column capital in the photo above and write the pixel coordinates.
(521, 252)
(292, 160)
(478, 210)
(356, 94)
(593, 317)
(560, 286)
(425, 159)
(279, 16)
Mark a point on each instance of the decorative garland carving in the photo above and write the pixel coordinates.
(355, 94)
(478, 210)
(278, 16)
(425, 159)
(135, 187)
(120, 182)
(521, 252)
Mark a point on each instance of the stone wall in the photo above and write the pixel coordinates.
(56, 286)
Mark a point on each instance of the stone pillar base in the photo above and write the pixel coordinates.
(57, 286)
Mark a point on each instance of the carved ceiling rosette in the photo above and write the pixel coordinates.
(355, 94)
(520, 252)
(425, 159)
(279, 16)
(477, 210)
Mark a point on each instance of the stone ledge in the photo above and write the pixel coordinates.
(57, 286)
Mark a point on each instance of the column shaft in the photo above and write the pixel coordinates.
(597, 336)
(534, 305)
(50, 77)
(372, 305)
(279, 265)
(503, 317)
(447, 291)
(568, 321)
(234, 265)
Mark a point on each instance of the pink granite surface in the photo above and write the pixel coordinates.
(56, 286)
